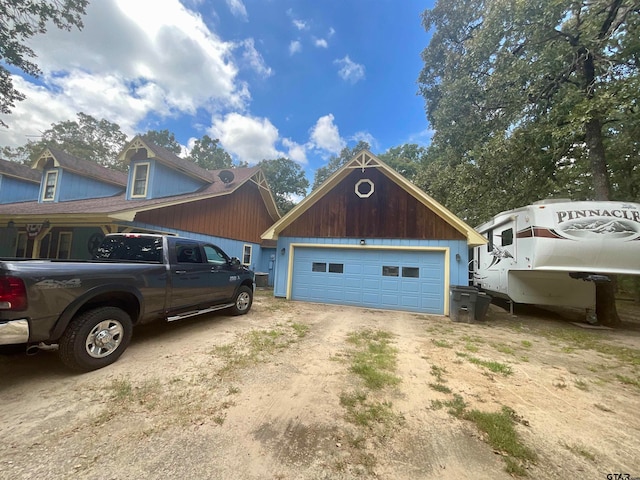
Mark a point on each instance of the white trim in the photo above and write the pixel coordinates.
(250, 253)
(60, 235)
(445, 250)
(46, 182)
(146, 180)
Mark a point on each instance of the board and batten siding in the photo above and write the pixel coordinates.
(240, 215)
(390, 212)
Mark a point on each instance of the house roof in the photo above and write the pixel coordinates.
(17, 170)
(118, 208)
(81, 167)
(365, 159)
(166, 157)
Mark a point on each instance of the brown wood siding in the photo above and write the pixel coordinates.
(390, 212)
(241, 215)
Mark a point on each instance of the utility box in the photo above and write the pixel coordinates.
(262, 279)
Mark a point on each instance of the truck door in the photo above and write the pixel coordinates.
(224, 275)
(195, 282)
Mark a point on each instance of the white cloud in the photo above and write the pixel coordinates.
(321, 43)
(331, 32)
(325, 135)
(348, 70)
(299, 24)
(295, 47)
(365, 137)
(250, 139)
(130, 60)
(296, 152)
(253, 58)
(238, 9)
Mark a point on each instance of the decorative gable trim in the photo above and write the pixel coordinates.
(365, 160)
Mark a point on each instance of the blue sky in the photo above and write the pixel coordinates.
(269, 78)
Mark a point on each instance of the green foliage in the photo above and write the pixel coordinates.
(99, 141)
(335, 162)
(20, 21)
(208, 153)
(405, 159)
(286, 180)
(530, 100)
(164, 139)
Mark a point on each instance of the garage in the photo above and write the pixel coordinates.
(368, 237)
(393, 279)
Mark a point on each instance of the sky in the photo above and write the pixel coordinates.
(300, 79)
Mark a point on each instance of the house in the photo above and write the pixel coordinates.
(369, 237)
(64, 205)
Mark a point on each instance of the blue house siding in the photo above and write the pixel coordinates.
(427, 255)
(163, 181)
(76, 187)
(13, 190)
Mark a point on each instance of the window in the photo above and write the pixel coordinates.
(45, 246)
(246, 255)
(507, 237)
(336, 268)
(215, 255)
(50, 181)
(140, 180)
(188, 254)
(64, 245)
(140, 249)
(21, 245)
(411, 272)
(490, 243)
(390, 271)
(318, 267)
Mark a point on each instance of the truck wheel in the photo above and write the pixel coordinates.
(95, 338)
(242, 301)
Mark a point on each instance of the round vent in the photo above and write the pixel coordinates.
(226, 176)
(364, 188)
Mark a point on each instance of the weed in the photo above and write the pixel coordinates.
(471, 348)
(438, 372)
(439, 387)
(441, 343)
(495, 367)
(581, 384)
(526, 343)
(375, 359)
(581, 450)
(502, 348)
(628, 380)
(300, 329)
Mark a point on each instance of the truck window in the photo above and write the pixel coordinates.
(189, 253)
(139, 249)
(215, 255)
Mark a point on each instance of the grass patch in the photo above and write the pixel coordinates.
(439, 387)
(580, 450)
(526, 344)
(628, 380)
(374, 361)
(495, 367)
(470, 347)
(438, 372)
(441, 343)
(300, 329)
(368, 413)
(502, 348)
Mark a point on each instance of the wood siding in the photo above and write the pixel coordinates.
(241, 215)
(390, 212)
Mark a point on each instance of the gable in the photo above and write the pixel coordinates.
(382, 209)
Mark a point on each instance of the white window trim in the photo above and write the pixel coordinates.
(146, 180)
(46, 182)
(250, 253)
(24, 236)
(60, 235)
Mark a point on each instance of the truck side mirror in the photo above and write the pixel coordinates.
(235, 261)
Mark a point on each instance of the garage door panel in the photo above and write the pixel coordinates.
(418, 287)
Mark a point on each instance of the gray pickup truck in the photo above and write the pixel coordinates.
(88, 308)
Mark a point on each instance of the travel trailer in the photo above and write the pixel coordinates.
(554, 251)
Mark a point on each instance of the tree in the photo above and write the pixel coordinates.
(99, 141)
(208, 153)
(19, 22)
(164, 139)
(286, 180)
(405, 159)
(335, 162)
(541, 88)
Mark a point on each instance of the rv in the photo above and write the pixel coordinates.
(554, 251)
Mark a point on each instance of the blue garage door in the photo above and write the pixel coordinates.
(388, 279)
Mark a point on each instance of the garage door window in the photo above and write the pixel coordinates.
(336, 267)
(411, 272)
(318, 267)
(388, 271)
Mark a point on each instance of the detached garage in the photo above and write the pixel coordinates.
(368, 237)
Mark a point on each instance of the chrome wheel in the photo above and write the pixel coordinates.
(104, 338)
(243, 301)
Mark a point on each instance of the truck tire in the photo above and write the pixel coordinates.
(242, 301)
(95, 338)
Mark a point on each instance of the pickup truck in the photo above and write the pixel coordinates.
(87, 308)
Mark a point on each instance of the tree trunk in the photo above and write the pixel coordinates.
(605, 291)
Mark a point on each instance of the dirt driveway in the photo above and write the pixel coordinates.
(275, 395)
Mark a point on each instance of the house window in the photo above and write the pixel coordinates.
(390, 271)
(246, 255)
(21, 245)
(319, 267)
(336, 267)
(140, 180)
(64, 245)
(507, 237)
(411, 272)
(50, 181)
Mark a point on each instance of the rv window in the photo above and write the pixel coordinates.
(490, 238)
(507, 237)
